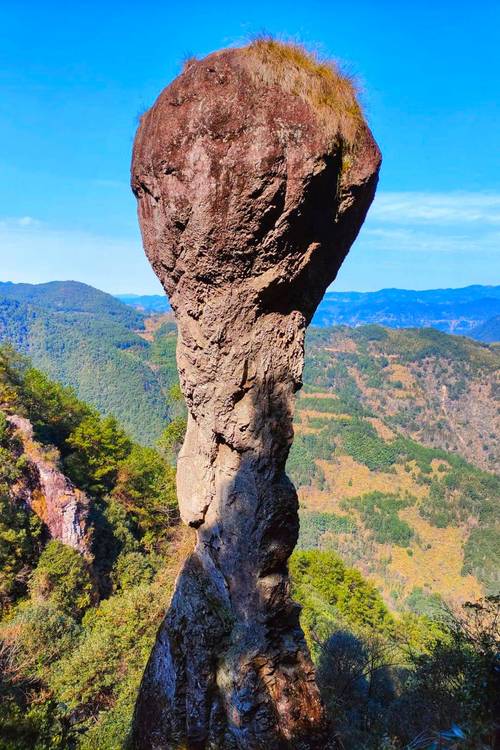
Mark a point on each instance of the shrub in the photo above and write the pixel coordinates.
(132, 569)
(361, 441)
(98, 445)
(313, 525)
(482, 558)
(379, 513)
(332, 594)
(20, 530)
(301, 463)
(320, 82)
(145, 486)
(172, 437)
(42, 633)
(53, 409)
(436, 508)
(422, 603)
(63, 578)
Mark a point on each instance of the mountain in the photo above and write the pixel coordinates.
(396, 445)
(85, 338)
(489, 331)
(438, 389)
(149, 303)
(459, 311)
(72, 297)
(456, 311)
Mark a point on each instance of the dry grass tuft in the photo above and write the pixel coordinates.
(293, 68)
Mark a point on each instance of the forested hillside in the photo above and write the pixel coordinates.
(380, 425)
(85, 338)
(76, 629)
(122, 361)
(442, 391)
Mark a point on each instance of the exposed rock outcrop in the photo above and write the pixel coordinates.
(62, 507)
(253, 171)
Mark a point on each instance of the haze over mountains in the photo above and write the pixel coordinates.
(472, 311)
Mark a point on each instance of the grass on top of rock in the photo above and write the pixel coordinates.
(320, 82)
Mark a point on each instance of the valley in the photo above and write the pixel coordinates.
(87, 339)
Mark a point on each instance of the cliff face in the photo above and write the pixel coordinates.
(253, 173)
(49, 494)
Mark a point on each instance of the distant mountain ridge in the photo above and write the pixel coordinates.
(457, 311)
(488, 332)
(148, 303)
(122, 360)
(71, 297)
(470, 311)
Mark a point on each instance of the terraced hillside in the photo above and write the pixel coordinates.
(382, 426)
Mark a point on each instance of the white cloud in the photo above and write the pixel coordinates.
(436, 208)
(435, 237)
(416, 239)
(27, 221)
(20, 221)
(465, 225)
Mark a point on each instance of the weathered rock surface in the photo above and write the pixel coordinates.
(253, 171)
(62, 507)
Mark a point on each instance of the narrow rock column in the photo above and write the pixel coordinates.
(253, 173)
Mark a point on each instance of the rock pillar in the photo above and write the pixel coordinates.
(253, 171)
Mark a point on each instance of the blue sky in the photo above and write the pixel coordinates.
(74, 79)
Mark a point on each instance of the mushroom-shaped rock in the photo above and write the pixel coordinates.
(253, 172)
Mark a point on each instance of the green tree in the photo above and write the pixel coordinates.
(172, 437)
(63, 578)
(53, 409)
(20, 535)
(11, 368)
(98, 447)
(145, 486)
(333, 596)
(132, 569)
(20, 530)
